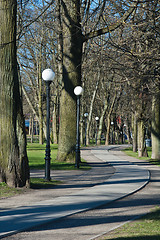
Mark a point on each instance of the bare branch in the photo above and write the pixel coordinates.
(113, 26)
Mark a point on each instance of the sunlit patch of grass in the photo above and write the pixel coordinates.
(145, 228)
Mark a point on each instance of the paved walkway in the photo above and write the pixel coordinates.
(81, 191)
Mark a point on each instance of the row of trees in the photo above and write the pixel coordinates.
(110, 48)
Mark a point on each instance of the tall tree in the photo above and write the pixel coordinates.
(72, 56)
(156, 127)
(14, 169)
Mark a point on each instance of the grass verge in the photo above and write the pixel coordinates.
(6, 191)
(145, 228)
(40, 183)
(35, 183)
(129, 152)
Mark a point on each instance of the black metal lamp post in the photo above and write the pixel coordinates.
(48, 76)
(85, 115)
(78, 92)
(97, 119)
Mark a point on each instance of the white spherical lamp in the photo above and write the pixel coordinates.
(48, 75)
(78, 90)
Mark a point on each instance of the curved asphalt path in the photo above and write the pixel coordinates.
(127, 178)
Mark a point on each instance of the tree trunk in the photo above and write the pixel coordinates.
(90, 112)
(33, 110)
(32, 127)
(142, 151)
(38, 114)
(109, 118)
(134, 131)
(128, 131)
(108, 130)
(156, 127)
(81, 127)
(14, 169)
(54, 126)
(101, 122)
(72, 55)
(40, 111)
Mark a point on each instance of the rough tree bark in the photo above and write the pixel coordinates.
(134, 131)
(142, 152)
(101, 122)
(40, 111)
(156, 127)
(14, 169)
(109, 119)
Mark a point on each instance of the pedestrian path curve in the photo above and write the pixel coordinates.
(127, 179)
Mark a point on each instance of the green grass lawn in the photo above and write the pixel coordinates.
(145, 228)
(36, 155)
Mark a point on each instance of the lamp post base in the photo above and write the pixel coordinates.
(47, 164)
(77, 157)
